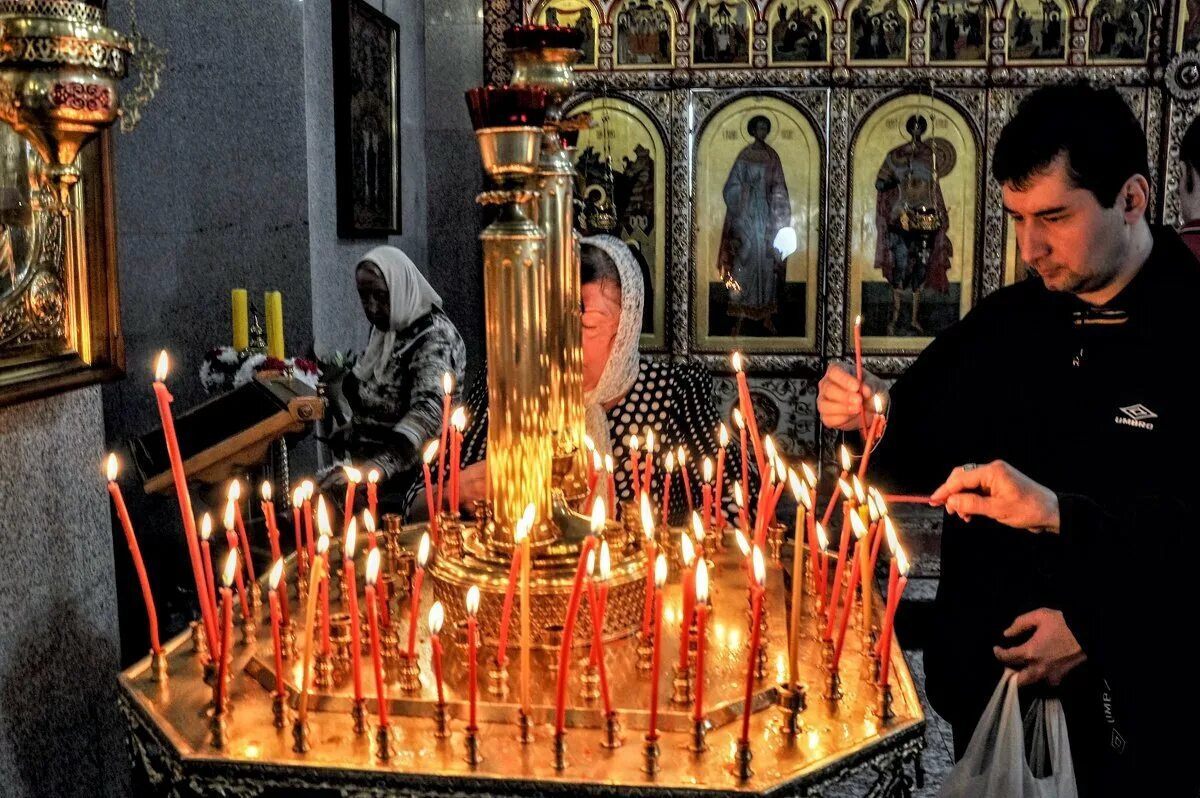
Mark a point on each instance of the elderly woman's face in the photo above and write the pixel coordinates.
(601, 317)
(373, 292)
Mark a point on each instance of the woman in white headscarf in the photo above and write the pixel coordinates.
(624, 393)
(395, 389)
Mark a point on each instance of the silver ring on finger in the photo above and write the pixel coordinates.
(969, 466)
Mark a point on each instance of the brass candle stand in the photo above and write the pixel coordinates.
(474, 755)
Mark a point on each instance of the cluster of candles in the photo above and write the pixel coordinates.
(865, 519)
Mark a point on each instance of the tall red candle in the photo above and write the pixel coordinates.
(437, 617)
(649, 477)
(756, 602)
(707, 493)
(309, 541)
(634, 469)
(598, 614)
(415, 601)
(595, 463)
(353, 477)
(681, 456)
(373, 625)
(273, 594)
(564, 653)
(514, 570)
(458, 423)
(231, 537)
(885, 639)
(835, 589)
(472, 654)
(123, 514)
(268, 510)
(687, 555)
(898, 556)
(873, 433)
(235, 495)
(860, 551)
(609, 466)
(231, 568)
(858, 370)
(301, 551)
(373, 491)
(444, 448)
(352, 600)
(323, 553)
(208, 610)
(739, 421)
(206, 554)
(431, 452)
(701, 635)
(666, 496)
(718, 519)
(660, 581)
(651, 554)
(748, 410)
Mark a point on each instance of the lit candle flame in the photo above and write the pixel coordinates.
(649, 441)
(521, 532)
(309, 488)
(265, 491)
(368, 521)
(723, 435)
(742, 543)
(160, 367)
(235, 491)
(647, 517)
(681, 456)
(373, 476)
(591, 564)
(110, 467)
(780, 469)
(322, 545)
(437, 616)
(738, 420)
(738, 498)
(810, 476)
(872, 509)
(892, 540)
(858, 320)
(597, 461)
(598, 516)
(447, 383)
(701, 582)
(670, 462)
(737, 361)
(660, 571)
(822, 538)
(205, 526)
(605, 562)
(423, 550)
(877, 402)
(351, 539)
(769, 448)
(856, 523)
(697, 527)
(588, 443)
(845, 455)
(459, 419)
(635, 443)
(881, 504)
(796, 485)
(760, 567)
(902, 564)
(353, 474)
(230, 512)
(323, 526)
(231, 566)
(845, 488)
(372, 566)
(473, 600)
(608, 463)
(687, 552)
(431, 451)
(859, 494)
(276, 574)
(298, 496)
(529, 516)
(708, 469)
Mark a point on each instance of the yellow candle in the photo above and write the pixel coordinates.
(310, 616)
(269, 312)
(274, 304)
(241, 319)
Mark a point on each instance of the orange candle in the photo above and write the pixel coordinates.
(858, 370)
(437, 617)
(598, 612)
(310, 541)
(135, 552)
(748, 410)
(835, 589)
(660, 580)
(472, 655)
(273, 596)
(681, 456)
(352, 600)
(415, 601)
(687, 555)
(707, 493)
(268, 510)
(651, 554)
(564, 654)
(843, 485)
(353, 477)
(739, 421)
(315, 577)
(301, 552)
(235, 495)
(718, 519)
(524, 523)
(873, 433)
(666, 496)
(634, 469)
(373, 625)
(373, 491)
(231, 537)
(756, 601)
(208, 610)
(889, 621)
(430, 452)
(447, 394)
(860, 533)
(649, 478)
(459, 423)
(610, 467)
(206, 554)
(323, 552)
(231, 568)
(701, 624)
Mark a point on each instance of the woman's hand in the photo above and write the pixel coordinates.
(472, 485)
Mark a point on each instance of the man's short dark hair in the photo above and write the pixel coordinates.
(1094, 128)
(1189, 153)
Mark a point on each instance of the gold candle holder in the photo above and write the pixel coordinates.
(199, 641)
(158, 666)
(300, 741)
(249, 629)
(791, 703)
(323, 668)
(389, 642)
(383, 743)
(741, 761)
(650, 755)
(219, 730)
(255, 597)
(524, 727)
(474, 754)
(410, 675)
(358, 713)
(210, 672)
(775, 542)
(339, 638)
(835, 686)
(612, 731)
(682, 687)
(645, 653)
(279, 710)
(699, 742)
(886, 711)
(498, 680)
(589, 689)
(287, 640)
(441, 721)
(560, 750)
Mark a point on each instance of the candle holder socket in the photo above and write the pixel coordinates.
(612, 732)
(249, 629)
(323, 669)
(699, 743)
(645, 653)
(158, 666)
(340, 640)
(256, 601)
(359, 713)
(410, 675)
(589, 689)
(498, 680)
(199, 640)
(474, 755)
(886, 713)
(742, 759)
(835, 686)
(525, 727)
(393, 657)
(210, 672)
(383, 743)
(681, 694)
(406, 563)
(560, 750)
(279, 710)
(300, 742)
(775, 542)
(441, 721)
(791, 702)
(219, 730)
(650, 755)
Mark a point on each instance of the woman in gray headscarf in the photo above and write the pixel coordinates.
(395, 389)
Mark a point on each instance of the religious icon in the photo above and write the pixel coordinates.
(799, 31)
(645, 33)
(620, 162)
(915, 209)
(1119, 30)
(958, 30)
(879, 31)
(757, 228)
(1188, 37)
(721, 32)
(1037, 30)
(579, 14)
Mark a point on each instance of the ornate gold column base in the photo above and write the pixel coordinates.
(441, 722)
(835, 686)
(279, 710)
(287, 640)
(410, 675)
(560, 750)
(359, 714)
(612, 732)
(682, 684)
(791, 703)
(474, 755)
(699, 743)
(383, 743)
(590, 683)
(650, 754)
(645, 652)
(249, 629)
(323, 667)
(199, 643)
(498, 680)
(886, 713)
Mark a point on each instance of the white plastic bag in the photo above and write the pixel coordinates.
(995, 764)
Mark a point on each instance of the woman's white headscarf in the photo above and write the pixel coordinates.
(621, 370)
(411, 298)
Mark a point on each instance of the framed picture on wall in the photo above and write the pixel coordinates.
(366, 97)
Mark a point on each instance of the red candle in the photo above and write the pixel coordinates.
(208, 610)
(231, 537)
(748, 410)
(873, 433)
(687, 555)
(430, 501)
(352, 600)
(707, 493)
(437, 617)
(444, 448)
(835, 589)
(592, 459)
(206, 553)
(235, 495)
(858, 370)
(893, 577)
(860, 533)
(135, 552)
(651, 554)
(415, 600)
(273, 595)
(472, 653)
(687, 480)
(889, 621)
(609, 466)
(718, 519)
(323, 552)
(756, 602)
(901, 498)
(598, 612)
(739, 421)
(660, 580)
(310, 541)
(594, 466)
(373, 491)
(231, 568)
(633, 465)
(268, 511)
(301, 552)
(353, 477)
(701, 620)
(373, 626)
(876, 537)
(649, 478)
(843, 485)
(458, 422)
(666, 497)
(564, 654)
(740, 500)
(514, 571)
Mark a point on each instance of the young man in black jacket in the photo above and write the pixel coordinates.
(1067, 389)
